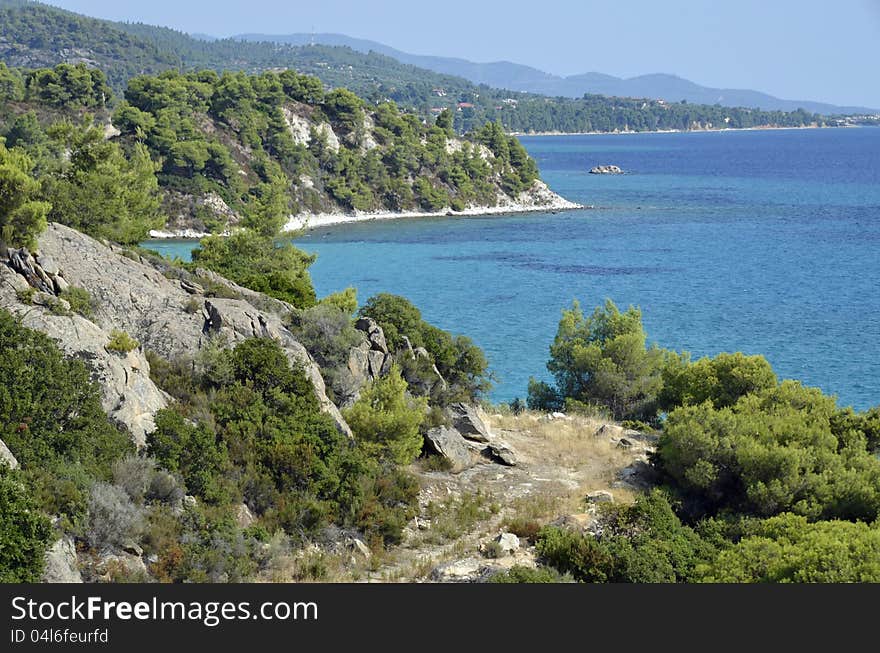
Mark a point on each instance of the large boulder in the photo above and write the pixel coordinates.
(374, 332)
(467, 420)
(128, 395)
(6, 457)
(449, 443)
(132, 295)
(61, 563)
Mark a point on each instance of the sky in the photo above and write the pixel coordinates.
(793, 49)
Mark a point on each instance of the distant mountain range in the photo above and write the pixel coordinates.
(517, 77)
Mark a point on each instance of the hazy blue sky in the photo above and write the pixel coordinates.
(796, 49)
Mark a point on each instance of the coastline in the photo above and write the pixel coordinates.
(669, 131)
(545, 200)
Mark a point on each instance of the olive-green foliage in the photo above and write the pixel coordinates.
(461, 363)
(386, 420)
(120, 342)
(328, 333)
(867, 422)
(25, 533)
(512, 163)
(603, 360)
(344, 300)
(248, 427)
(79, 299)
(194, 452)
(68, 85)
(52, 421)
(642, 543)
(721, 380)
(779, 450)
(789, 549)
(99, 189)
(22, 214)
(258, 262)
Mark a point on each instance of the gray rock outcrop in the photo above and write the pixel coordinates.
(127, 393)
(6, 457)
(61, 563)
(451, 445)
(133, 296)
(468, 421)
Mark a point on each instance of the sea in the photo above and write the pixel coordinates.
(765, 242)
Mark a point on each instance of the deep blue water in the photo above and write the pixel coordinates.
(760, 241)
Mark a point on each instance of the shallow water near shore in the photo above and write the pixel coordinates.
(757, 241)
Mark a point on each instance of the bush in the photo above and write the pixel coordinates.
(386, 421)
(257, 262)
(25, 533)
(771, 452)
(328, 334)
(120, 342)
(789, 549)
(603, 360)
(520, 574)
(113, 517)
(721, 380)
(52, 420)
(642, 543)
(79, 299)
(460, 362)
(134, 474)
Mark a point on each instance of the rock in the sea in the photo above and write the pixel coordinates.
(451, 445)
(61, 563)
(6, 457)
(606, 170)
(467, 420)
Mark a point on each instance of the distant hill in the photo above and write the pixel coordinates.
(34, 35)
(517, 77)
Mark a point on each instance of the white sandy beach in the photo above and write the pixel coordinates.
(541, 200)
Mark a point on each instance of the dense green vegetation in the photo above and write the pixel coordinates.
(462, 365)
(763, 481)
(125, 50)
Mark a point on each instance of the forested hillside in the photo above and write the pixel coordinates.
(238, 150)
(34, 35)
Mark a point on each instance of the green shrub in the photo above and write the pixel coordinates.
(25, 533)
(520, 574)
(642, 543)
(386, 421)
(120, 342)
(603, 360)
(721, 380)
(79, 299)
(789, 549)
(257, 262)
(771, 452)
(51, 419)
(461, 363)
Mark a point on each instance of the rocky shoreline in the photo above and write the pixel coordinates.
(539, 198)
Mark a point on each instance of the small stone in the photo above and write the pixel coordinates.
(600, 496)
(508, 542)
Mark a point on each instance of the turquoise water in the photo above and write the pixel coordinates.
(764, 242)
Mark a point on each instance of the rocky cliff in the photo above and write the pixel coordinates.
(168, 313)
